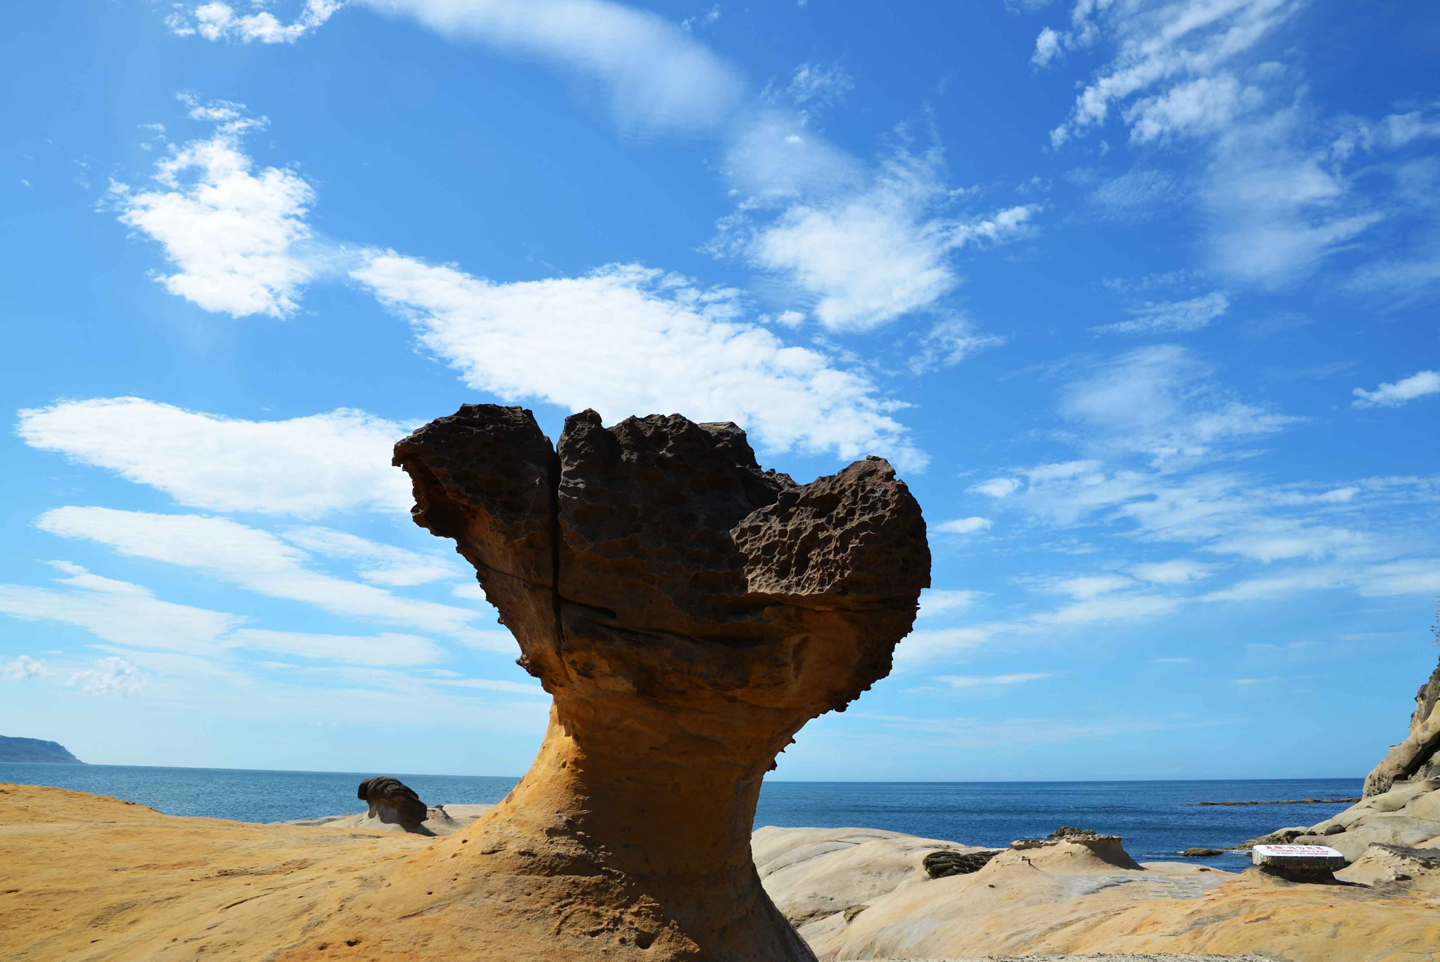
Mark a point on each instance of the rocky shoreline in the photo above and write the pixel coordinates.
(93, 873)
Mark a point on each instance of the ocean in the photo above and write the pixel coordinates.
(1157, 819)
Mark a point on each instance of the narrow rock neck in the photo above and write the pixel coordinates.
(678, 821)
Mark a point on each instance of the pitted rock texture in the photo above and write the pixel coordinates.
(391, 797)
(689, 612)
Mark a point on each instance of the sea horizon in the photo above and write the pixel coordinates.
(768, 780)
(1157, 818)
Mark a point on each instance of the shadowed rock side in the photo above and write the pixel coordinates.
(689, 612)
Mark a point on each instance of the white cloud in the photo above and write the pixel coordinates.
(1154, 317)
(1048, 46)
(1090, 586)
(950, 342)
(938, 602)
(1136, 194)
(656, 72)
(631, 340)
(260, 562)
(813, 87)
(1162, 401)
(1203, 105)
(1409, 576)
(972, 525)
(380, 564)
(977, 681)
(1176, 572)
(1422, 384)
(872, 253)
(658, 75)
(1178, 50)
(111, 675)
(22, 669)
(488, 684)
(1107, 609)
(929, 644)
(306, 466)
(1278, 203)
(215, 20)
(238, 235)
(117, 611)
(997, 487)
(385, 649)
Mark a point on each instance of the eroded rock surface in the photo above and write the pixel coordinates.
(689, 612)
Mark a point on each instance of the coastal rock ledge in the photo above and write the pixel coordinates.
(688, 612)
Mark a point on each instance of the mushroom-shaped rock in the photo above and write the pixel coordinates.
(689, 612)
(391, 800)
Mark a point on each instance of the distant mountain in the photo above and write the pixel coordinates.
(35, 750)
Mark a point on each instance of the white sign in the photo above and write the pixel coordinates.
(1298, 851)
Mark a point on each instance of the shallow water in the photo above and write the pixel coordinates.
(1157, 819)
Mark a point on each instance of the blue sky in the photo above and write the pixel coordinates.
(1140, 298)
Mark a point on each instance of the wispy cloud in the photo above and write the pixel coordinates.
(305, 467)
(657, 74)
(1170, 63)
(1403, 391)
(262, 563)
(867, 255)
(1167, 316)
(978, 681)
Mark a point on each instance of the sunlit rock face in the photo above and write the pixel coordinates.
(689, 612)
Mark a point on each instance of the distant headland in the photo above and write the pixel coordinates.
(35, 750)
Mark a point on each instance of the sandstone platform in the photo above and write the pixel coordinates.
(95, 879)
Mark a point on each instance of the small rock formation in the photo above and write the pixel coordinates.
(943, 864)
(1200, 852)
(689, 612)
(1067, 838)
(391, 801)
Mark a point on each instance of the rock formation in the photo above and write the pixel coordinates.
(1418, 756)
(391, 800)
(944, 863)
(1401, 803)
(812, 873)
(688, 612)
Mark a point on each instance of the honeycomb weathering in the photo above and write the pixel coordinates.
(689, 612)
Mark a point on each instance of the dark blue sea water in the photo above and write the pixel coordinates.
(1157, 819)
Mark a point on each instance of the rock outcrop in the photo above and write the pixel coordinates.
(1418, 756)
(1401, 803)
(811, 873)
(391, 800)
(688, 612)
